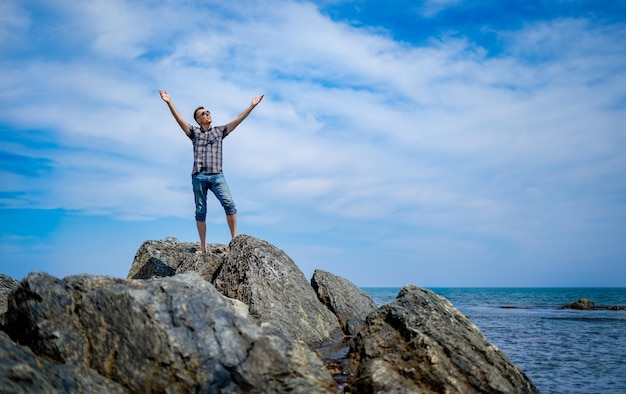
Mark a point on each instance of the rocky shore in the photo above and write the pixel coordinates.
(241, 318)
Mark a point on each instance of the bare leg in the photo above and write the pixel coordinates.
(202, 233)
(232, 224)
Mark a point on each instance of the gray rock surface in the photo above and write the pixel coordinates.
(169, 257)
(172, 335)
(7, 284)
(276, 291)
(420, 343)
(253, 271)
(177, 330)
(21, 371)
(348, 302)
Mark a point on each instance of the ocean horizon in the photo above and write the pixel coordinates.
(561, 350)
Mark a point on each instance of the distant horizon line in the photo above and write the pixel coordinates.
(496, 287)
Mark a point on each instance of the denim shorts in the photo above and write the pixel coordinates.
(202, 183)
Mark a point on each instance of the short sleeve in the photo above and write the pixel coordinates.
(192, 132)
(223, 130)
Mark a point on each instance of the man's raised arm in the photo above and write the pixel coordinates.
(235, 122)
(165, 96)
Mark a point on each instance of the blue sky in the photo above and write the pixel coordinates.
(439, 143)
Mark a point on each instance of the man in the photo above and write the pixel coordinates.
(207, 162)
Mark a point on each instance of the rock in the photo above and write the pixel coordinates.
(206, 264)
(21, 371)
(276, 291)
(253, 271)
(175, 334)
(421, 343)
(177, 330)
(582, 303)
(169, 257)
(348, 302)
(7, 284)
(587, 304)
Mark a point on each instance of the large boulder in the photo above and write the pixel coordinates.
(175, 334)
(169, 257)
(253, 271)
(347, 301)
(421, 343)
(276, 291)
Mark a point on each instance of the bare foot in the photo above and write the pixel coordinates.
(200, 251)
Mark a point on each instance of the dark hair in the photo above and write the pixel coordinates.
(194, 113)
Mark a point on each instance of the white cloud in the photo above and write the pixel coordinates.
(430, 8)
(12, 21)
(354, 126)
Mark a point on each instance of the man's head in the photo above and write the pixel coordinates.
(202, 116)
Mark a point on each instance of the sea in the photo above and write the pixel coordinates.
(561, 350)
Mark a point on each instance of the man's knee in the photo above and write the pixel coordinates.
(229, 208)
(200, 211)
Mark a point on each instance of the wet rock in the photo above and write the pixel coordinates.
(348, 302)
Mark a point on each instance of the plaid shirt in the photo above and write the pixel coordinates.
(207, 149)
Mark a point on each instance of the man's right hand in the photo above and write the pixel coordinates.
(165, 96)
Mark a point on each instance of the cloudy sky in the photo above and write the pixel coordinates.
(437, 142)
